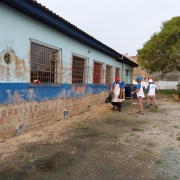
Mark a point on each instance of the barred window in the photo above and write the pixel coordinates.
(109, 74)
(44, 62)
(79, 70)
(98, 73)
(117, 72)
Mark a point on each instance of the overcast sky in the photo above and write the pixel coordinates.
(123, 25)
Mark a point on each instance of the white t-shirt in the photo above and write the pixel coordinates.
(140, 92)
(152, 90)
(116, 88)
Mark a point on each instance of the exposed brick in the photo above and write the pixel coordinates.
(15, 111)
(10, 120)
(10, 112)
(47, 106)
(39, 107)
(1, 121)
(38, 114)
(25, 109)
(31, 116)
(35, 107)
(21, 110)
(43, 105)
(31, 108)
(3, 113)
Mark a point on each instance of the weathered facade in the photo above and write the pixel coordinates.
(74, 69)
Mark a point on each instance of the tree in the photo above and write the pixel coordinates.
(161, 53)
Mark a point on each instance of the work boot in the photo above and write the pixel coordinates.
(147, 106)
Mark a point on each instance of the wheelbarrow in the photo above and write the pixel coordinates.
(116, 102)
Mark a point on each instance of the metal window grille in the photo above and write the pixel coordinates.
(97, 73)
(117, 72)
(79, 70)
(109, 74)
(43, 62)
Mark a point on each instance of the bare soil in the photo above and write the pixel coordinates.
(100, 144)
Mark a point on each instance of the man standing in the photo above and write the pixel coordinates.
(151, 92)
(116, 88)
(140, 94)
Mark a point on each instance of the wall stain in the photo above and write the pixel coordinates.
(14, 98)
(20, 67)
(17, 67)
(73, 88)
(8, 73)
(20, 95)
(62, 94)
(81, 89)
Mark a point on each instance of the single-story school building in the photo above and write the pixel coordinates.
(49, 68)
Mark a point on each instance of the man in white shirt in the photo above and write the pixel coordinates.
(140, 94)
(116, 88)
(151, 92)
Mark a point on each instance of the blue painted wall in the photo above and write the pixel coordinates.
(11, 93)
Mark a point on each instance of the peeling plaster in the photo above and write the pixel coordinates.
(16, 68)
(14, 98)
(81, 89)
(12, 93)
(73, 87)
(19, 95)
(62, 94)
(20, 68)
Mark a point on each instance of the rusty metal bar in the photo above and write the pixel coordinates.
(109, 75)
(43, 62)
(78, 70)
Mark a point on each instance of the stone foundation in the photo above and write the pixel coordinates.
(28, 115)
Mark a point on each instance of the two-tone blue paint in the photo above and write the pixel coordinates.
(11, 93)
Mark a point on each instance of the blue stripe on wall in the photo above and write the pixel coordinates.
(11, 93)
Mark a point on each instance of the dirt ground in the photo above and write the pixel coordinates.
(100, 144)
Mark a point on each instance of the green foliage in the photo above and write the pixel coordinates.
(161, 53)
(167, 91)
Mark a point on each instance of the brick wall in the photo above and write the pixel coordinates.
(33, 114)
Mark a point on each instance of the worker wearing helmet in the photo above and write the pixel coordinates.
(116, 87)
(116, 90)
(149, 79)
(140, 94)
(151, 92)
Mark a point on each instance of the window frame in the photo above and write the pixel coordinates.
(101, 77)
(109, 81)
(58, 64)
(85, 70)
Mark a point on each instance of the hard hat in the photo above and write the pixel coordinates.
(123, 83)
(117, 79)
(150, 80)
(139, 78)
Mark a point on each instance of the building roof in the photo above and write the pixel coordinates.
(39, 12)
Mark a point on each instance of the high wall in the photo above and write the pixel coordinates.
(25, 104)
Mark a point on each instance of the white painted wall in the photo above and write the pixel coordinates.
(15, 34)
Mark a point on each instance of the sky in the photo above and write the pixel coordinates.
(123, 25)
